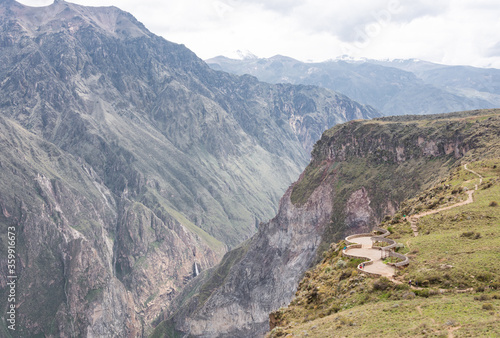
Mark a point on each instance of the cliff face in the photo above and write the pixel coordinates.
(131, 164)
(360, 171)
(284, 247)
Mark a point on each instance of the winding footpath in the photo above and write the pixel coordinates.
(414, 219)
(361, 245)
(377, 267)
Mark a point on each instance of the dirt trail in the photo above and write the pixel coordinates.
(414, 218)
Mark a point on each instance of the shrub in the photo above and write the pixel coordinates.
(471, 235)
(422, 293)
(434, 278)
(341, 264)
(345, 275)
(488, 306)
(333, 309)
(495, 285)
(488, 185)
(381, 284)
(483, 297)
(484, 276)
(403, 286)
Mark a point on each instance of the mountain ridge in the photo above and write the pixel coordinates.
(177, 162)
(394, 87)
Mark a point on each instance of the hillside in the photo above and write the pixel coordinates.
(393, 87)
(457, 290)
(360, 172)
(128, 165)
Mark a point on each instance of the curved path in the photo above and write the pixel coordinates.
(362, 247)
(414, 219)
(375, 255)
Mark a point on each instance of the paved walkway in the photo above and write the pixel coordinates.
(414, 218)
(378, 267)
(375, 255)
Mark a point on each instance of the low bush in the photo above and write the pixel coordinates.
(488, 306)
(345, 275)
(382, 284)
(422, 293)
(471, 235)
(341, 264)
(482, 297)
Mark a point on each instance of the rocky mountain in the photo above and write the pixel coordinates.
(360, 172)
(128, 165)
(393, 87)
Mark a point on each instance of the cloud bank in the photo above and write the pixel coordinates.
(446, 31)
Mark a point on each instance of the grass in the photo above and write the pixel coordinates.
(166, 329)
(211, 241)
(433, 316)
(93, 294)
(466, 238)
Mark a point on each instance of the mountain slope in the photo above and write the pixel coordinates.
(186, 162)
(360, 171)
(393, 87)
(455, 286)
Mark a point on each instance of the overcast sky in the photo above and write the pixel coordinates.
(445, 31)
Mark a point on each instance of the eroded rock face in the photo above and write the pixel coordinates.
(360, 217)
(388, 148)
(267, 276)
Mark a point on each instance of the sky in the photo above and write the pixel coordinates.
(457, 32)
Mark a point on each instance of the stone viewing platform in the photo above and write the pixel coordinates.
(361, 246)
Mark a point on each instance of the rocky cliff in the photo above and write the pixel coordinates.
(128, 165)
(359, 172)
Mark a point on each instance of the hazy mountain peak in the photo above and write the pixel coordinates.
(65, 16)
(283, 58)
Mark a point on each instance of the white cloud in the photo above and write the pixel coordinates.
(448, 31)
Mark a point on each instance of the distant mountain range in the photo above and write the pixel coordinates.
(397, 87)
